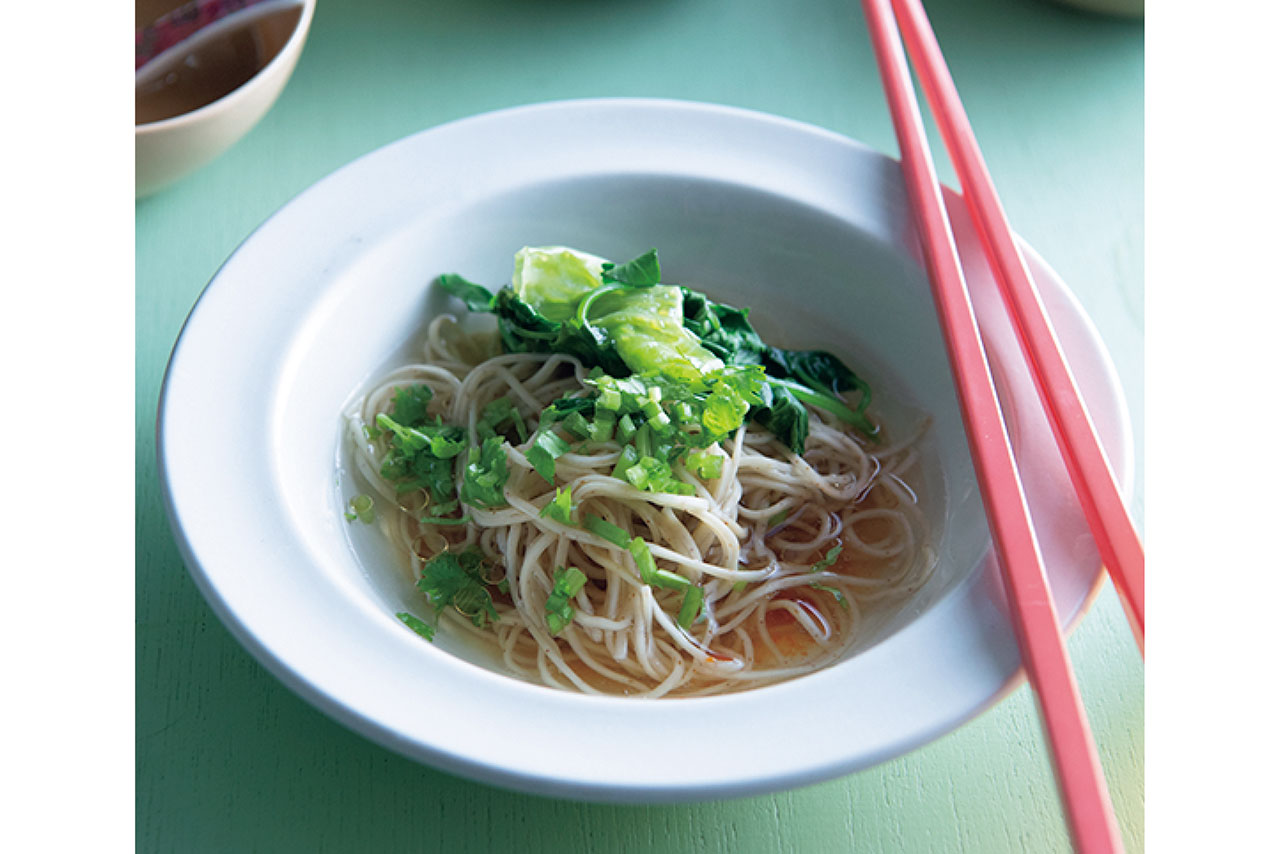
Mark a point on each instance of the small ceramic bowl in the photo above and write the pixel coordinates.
(171, 148)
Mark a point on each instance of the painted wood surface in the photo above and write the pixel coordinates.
(230, 760)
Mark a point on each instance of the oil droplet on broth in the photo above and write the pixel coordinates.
(216, 69)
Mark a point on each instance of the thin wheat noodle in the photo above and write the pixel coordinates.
(752, 538)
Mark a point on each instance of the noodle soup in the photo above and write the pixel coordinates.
(614, 563)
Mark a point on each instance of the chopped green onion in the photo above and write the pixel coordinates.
(607, 530)
(690, 607)
(626, 429)
(643, 557)
(602, 426)
(628, 458)
(649, 572)
(361, 508)
(417, 625)
(546, 448)
(565, 585)
(705, 464)
(560, 507)
(578, 425)
(644, 440)
(610, 398)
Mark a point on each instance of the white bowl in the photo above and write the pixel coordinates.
(808, 228)
(172, 148)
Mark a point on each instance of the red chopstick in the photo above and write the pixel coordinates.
(1086, 802)
(1108, 517)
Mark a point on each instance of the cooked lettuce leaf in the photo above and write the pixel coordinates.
(646, 326)
(552, 280)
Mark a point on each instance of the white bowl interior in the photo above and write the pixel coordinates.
(811, 280)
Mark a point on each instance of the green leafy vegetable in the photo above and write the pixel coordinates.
(640, 272)
(560, 508)
(565, 585)
(421, 458)
(485, 475)
(620, 319)
(417, 625)
(409, 405)
(783, 415)
(444, 442)
(646, 327)
(815, 376)
(553, 280)
(477, 297)
(498, 417)
(458, 579)
(361, 508)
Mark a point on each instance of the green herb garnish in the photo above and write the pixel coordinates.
(830, 558)
(486, 473)
(500, 416)
(458, 579)
(826, 588)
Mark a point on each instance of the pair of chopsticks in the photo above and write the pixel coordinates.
(1087, 805)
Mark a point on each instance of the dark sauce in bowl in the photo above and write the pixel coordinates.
(215, 68)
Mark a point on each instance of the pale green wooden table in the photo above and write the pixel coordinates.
(230, 760)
